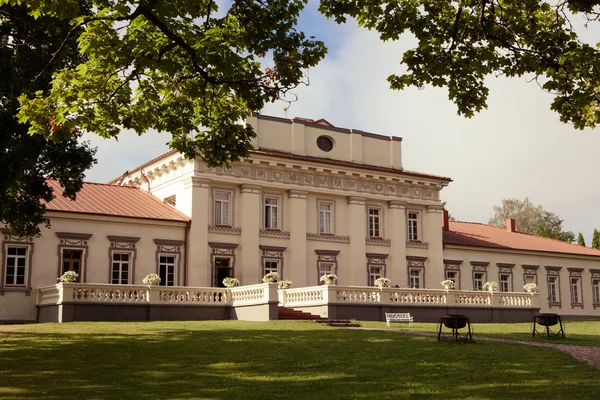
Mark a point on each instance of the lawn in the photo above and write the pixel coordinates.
(577, 332)
(274, 360)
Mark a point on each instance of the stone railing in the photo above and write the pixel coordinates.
(73, 292)
(332, 294)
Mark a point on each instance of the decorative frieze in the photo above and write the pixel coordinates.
(122, 242)
(10, 237)
(417, 244)
(262, 172)
(274, 233)
(227, 230)
(167, 245)
(378, 242)
(415, 261)
(73, 238)
(328, 238)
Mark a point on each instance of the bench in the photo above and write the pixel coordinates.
(398, 317)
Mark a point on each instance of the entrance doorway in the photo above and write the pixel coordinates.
(223, 269)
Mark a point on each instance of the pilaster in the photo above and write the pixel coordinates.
(197, 192)
(433, 235)
(357, 230)
(248, 269)
(297, 269)
(396, 267)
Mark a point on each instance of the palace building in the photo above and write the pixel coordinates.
(311, 199)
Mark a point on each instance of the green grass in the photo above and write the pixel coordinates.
(275, 360)
(583, 333)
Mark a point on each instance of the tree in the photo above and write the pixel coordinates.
(179, 66)
(460, 43)
(596, 240)
(550, 225)
(580, 240)
(26, 161)
(531, 219)
(525, 213)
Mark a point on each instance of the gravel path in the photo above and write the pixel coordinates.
(587, 354)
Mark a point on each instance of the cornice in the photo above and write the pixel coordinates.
(366, 183)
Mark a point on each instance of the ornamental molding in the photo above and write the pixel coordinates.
(417, 244)
(483, 264)
(321, 177)
(168, 245)
(378, 242)
(73, 238)
(227, 230)
(274, 233)
(11, 237)
(595, 273)
(575, 272)
(122, 242)
(328, 238)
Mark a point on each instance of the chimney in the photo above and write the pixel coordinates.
(510, 224)
(445, 221)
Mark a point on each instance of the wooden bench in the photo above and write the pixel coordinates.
(398, 317)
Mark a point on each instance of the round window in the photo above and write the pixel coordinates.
(325, 143)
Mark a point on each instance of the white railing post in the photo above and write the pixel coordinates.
(329, 294)
(271, 295)
(153, 294)
(451, 297)
(282, 294)
(66, 292)
(384, 296)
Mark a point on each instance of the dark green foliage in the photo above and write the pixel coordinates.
(461, 43)
(596, 240)
(26, 161)
(580, 240)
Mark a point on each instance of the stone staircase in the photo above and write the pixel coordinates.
(286, 313)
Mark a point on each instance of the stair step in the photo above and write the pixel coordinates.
(291, 314)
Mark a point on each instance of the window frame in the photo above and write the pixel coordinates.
(164, 282)
(82, 266)
(453, 266)
(504, 285)
(481, 281)
(596, 292)
(230, 201)
(272, 254)
(553, 274)
(74, 241)
(10, 240)
(419, 233)
(279, 207)
(576, 290)
(376, 260)
(24, 257)
(331, 211)
(326, 257)
(169, 248)
(418, 275)
(380, 221)
(121, 262)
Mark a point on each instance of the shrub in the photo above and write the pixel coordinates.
(151, 279)
(270, 277)
(231, 282)
(69, 276)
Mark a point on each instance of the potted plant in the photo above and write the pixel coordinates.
(382, 282)
(491, 286)
(530, 288)
(69, 276)
(448, 284)
(329, 279)
(285, 284)
(231, 282)
(270, 277)
(151, 279)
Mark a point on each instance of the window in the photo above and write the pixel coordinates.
(374, 222)
(478, 280)
(553, 289)
(324, 269)
(71, 261)
(452, 276)
(166, 270)
(121, 267)
(374, 274)
(413, 226)
(324, 143)
(575, 290)
(505, 282)
(325, 217)
(16, 262)
(222, 208)
(414, 278)
(271, 212)
(270, 266)
(596, 290)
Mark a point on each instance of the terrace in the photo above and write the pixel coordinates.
(65, 302)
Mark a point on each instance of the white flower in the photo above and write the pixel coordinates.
(491, 286)
(329, 278)
(448, 283)
(69, 276)
(285, 284)
(151, 279)
(271, 277)
(231, 282)
(530, 288)
(382, 282)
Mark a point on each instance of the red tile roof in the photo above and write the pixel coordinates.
(109, 200)
(481, 235)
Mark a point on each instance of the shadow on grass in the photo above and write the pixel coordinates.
(257, 362)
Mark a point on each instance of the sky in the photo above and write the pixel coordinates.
(516, 148)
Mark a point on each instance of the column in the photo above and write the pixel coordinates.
(296, 268)
(433, 236)
(197, 193)
(247, 266)
(396, 263)
(357, 230)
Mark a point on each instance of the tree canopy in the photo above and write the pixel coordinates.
(179, 66)
(460, 43)
(596, 239)
(26, 161)
(580, 240)
(530, 218)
